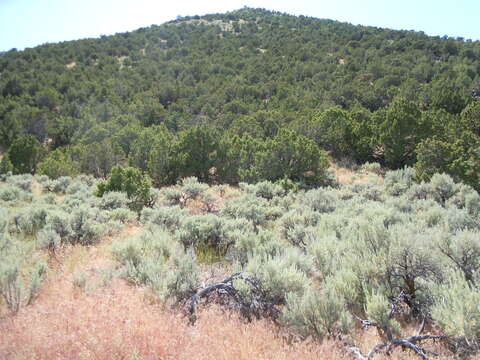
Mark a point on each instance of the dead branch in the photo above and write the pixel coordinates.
(257, 304)
(410, 343)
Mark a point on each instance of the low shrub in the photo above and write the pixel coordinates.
(433, 216)
(173, 196)
(59, 222)
(297, 226)
(29, 220)
(77, 188)
(23, 182)
(154, 259)
(264, 189)
(209, 203)
(20, 278)
(375, 168)
(278, 277)
(84, 230)
(169, 217)
(208, 232)
(463, 252)
(10, 193)
(456, 310)
(248, 244)
(317, 314)
(187, 189)
(443, 187)
(48, 239)
(4, 219)
(326, 253)
(379, 310)
(49, 199)
(465, 197)
(321, 200)
(59, 185)
(399, 181)
(422, 191)
(458, 220)
(113, 200)
(369, 191)
(257, 210)
(123, 215)
(191, 188)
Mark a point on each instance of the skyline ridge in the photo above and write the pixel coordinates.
(51, 32)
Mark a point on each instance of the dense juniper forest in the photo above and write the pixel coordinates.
(248, 185)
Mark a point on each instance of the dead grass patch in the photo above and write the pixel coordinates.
(117, 323)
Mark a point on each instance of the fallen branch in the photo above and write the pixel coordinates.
(257, 304)
(405, 343)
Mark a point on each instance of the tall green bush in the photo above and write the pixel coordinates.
(130, 181)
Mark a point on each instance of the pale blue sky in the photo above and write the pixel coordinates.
(27, 23)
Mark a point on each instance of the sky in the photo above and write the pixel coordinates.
(28, 23)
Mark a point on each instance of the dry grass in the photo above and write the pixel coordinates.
(117, 322)
(346, 176)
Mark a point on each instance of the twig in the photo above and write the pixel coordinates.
(406, 343)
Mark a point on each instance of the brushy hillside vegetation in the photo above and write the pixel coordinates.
(254, 95)
(177, 192)
(389, 267)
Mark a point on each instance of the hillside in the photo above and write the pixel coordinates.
(362, 93)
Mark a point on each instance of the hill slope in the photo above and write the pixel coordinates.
(252, 72)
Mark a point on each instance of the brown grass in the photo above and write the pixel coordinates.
(117, 322)
(346, 176)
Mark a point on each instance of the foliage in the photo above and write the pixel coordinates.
(57, 164)
(317, 314)
(130, 181)
(279, 276)
(153, 259)
(84, 230)
(264, 189)
(456, 309)
(292, 156)
(207, 231)
(195, 152)
(241, 98)
(25, 153)
(191, 188)
(256, 210)
(6, 165)
(155, 106)
(399, 181)
(113, 200)
(378, 309)
(168, 217)
(29, 220)
(463, 250)
(14, 270)
(401, 130)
